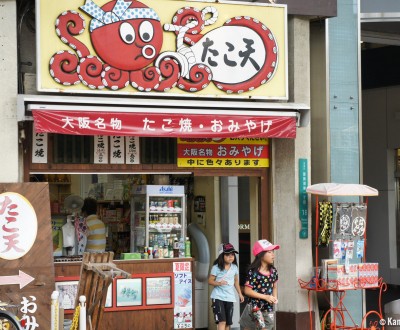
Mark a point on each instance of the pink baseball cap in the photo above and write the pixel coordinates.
(264, 245)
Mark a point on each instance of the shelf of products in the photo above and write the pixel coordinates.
(158, 220)
(116, 217)
(344, 226)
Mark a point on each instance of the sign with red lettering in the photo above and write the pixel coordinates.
(163, 47)
(229, 152)
(18, 223)
(165, 124)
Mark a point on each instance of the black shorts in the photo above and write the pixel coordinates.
(223, 311)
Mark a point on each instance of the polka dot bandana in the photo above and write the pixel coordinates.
(120, 12)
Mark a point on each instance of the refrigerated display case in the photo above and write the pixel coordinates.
(158, 219)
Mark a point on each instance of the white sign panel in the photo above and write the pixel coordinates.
(132, 150)
(101, 149)
(117, 152)
(18, 223)
(39, 147)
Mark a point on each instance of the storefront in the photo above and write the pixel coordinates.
(143, 123)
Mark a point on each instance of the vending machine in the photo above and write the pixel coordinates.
(158, 220)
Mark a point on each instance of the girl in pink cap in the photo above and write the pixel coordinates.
(261, 288)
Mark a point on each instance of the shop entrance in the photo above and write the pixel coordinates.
(230, 213)
(225, 208)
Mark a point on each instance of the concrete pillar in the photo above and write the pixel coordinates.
(230, 225)
(294, 259)
(8, 92)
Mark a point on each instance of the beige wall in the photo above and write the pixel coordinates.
(8, 93)
(209, 187)
(294, 259)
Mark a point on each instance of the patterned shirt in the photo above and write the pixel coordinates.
(96, 239)
(264, 284)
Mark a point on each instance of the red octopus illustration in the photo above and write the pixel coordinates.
(127, 36)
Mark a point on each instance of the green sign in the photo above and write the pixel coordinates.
(303, 198)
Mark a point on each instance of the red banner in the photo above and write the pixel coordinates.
(184, 125)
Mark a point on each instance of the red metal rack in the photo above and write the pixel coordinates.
(338, 311)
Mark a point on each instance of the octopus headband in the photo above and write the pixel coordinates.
(120, 12)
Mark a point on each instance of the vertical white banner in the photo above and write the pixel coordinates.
(39, 147)
(100, 149)
(183, 309)
(132, 153)
(117, 152)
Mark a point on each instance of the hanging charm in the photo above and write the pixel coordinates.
(325, 222)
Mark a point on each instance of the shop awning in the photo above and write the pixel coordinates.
(341, 189)
(133, 122)
(167, 118)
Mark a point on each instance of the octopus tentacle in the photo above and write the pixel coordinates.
(268, 70)
(145, 80)
(200, 76)
(114, 79)
(214, 15)
(69, 24)
(89, 72)
(62, 67)
(169, 69)
(189, 22)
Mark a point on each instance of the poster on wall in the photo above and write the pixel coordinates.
(163, 47)
(183, 309)
(101, 149)
(117, 150)
(158, 290)
(129, 292)
(39, 147)
(67, 292)
(132, 154)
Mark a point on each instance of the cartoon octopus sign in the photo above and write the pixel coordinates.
(127, 36)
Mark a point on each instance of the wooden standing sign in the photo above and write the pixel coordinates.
(26, 253)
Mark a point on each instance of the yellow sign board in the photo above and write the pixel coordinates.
(162, 47)
(231, 152)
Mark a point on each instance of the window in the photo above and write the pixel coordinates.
(71, 149)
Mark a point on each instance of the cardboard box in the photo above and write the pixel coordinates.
(368, 274)
(324, 270)
(340, 278)
(130, 256)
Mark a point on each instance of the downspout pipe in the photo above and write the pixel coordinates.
(203, 260)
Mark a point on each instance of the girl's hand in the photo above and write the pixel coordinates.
(241, 298)
(223, 282)
(271, 299)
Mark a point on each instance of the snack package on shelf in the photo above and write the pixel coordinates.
(339, 279)
(325, 264)
(368, 274)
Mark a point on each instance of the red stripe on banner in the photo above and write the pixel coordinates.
(163, 124)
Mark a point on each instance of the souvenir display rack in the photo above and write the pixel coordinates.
(339, 286)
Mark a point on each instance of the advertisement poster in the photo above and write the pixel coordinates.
(158, 290)
(174, 47)
(129, 292)
(183, 316)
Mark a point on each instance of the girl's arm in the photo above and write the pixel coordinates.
(237, 287)
(212, 281)
(275, 290)
(249, 292)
